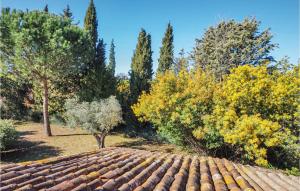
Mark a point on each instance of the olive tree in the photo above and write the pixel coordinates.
(97, 117)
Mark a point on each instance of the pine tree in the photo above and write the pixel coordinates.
(91, 23)
(166, 58)
(46, 8)
(141, 66)
(112, 59)
(67, 12)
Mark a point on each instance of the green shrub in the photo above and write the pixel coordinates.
(8, 134)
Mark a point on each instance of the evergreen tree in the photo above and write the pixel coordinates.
(99, 82)
(180, 63)
(67, 12)
(231, 44)
(112, 59)
(166, 59)
(59, 59)
(100, 54)
(141, 66)
(105, 82)
(91, 23)
(46, 8)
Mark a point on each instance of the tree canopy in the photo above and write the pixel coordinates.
(98, 82)
(97, 117)
(67, 12)
(112, 59)
(230, 44)
(91, 22)
(42, 48)
(141, 66)
(166, 57)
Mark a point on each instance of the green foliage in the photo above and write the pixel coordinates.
(176, 104)
(251, 115)
(141, 66)
(42, 48)
(293, 171)
(97, 117)
(46, 8)
(67, 12)
(181, 62)
(13, 99)
(8, 134)
(123, 91)
(59, 91)
(91, 23)
(166, 57)
(58, 45)
(231, 44)
(99, 82)
(123, 95)
(112, 60)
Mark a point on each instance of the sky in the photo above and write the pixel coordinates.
(122, 20)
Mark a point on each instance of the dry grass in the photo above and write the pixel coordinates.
(34, 145)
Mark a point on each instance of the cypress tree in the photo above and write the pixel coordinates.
(105, 80)
(46, 8)
(91, 23)
(141, 66)
(98, 83)
(112, 59)
(67, 12)
(166, 57)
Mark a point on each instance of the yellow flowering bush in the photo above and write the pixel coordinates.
(256, 110)
(252, 113)
(177, 103)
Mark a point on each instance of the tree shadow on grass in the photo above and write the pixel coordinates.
(147, 145)
(25, 150)
(67, 135)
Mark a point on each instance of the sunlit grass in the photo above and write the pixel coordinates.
(35, 145)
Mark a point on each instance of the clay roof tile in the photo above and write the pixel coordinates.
(124, 169)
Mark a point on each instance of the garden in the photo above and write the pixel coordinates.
(227, 98)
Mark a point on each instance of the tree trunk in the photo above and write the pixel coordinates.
(45, 109)
(100, 140)
(102, 137)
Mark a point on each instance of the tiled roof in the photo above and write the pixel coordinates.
(126, 169)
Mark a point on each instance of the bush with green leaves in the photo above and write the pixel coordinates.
(8, 134)
(97, 117)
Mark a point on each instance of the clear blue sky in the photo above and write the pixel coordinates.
(122, 20)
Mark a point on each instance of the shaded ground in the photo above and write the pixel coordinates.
(34, 145)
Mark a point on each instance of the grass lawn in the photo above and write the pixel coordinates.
(34, 145)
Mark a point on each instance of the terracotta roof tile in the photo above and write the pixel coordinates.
(124, 169)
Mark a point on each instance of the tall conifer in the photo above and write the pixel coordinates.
(98, 82)
(91, 23)
(166, 57)
(67, 12)
(112, 59)
(46, 8)
(141, 66)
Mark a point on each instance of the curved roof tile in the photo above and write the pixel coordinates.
(125, 169)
